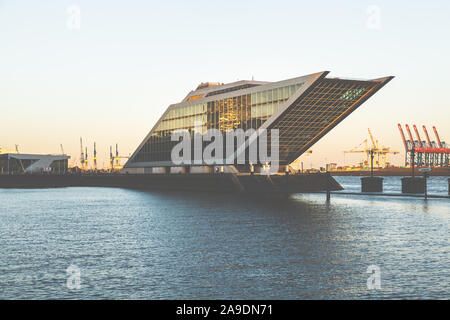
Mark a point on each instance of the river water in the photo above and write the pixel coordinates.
(128, 244)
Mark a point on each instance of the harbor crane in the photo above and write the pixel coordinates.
(358, 150)
(381, 153)
(82, 163)
(424, 152)
(114, 161)
(86, 160)
(95, 157)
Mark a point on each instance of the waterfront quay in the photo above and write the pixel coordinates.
(272, 184)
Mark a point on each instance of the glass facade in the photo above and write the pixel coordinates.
(247, 111)
(311, 116)
(324, 102)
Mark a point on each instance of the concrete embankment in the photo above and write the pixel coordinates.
(183, 182)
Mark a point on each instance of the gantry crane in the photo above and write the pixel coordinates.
(381, 153)
(95, 157)
(82, 162)
(424, 153)
(86, 166)
(114, 162)
(358, 150)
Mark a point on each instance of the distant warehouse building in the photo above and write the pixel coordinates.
(19, 163)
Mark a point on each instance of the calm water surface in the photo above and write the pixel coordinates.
(146, 245)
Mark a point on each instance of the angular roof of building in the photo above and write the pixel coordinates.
(317, 106)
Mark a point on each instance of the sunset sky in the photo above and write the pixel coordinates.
(109, 78)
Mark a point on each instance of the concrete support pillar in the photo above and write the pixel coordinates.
(328, 182)
(372, 184)
(413, 185)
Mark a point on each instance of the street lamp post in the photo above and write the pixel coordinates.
(371, 163)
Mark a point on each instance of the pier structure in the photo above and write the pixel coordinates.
(214, 182)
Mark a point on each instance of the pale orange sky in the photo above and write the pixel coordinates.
(110, 80)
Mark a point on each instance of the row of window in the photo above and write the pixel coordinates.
(245, 111)
(263, 105)
(319, 108)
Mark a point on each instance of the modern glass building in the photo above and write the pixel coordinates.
(303, 109)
